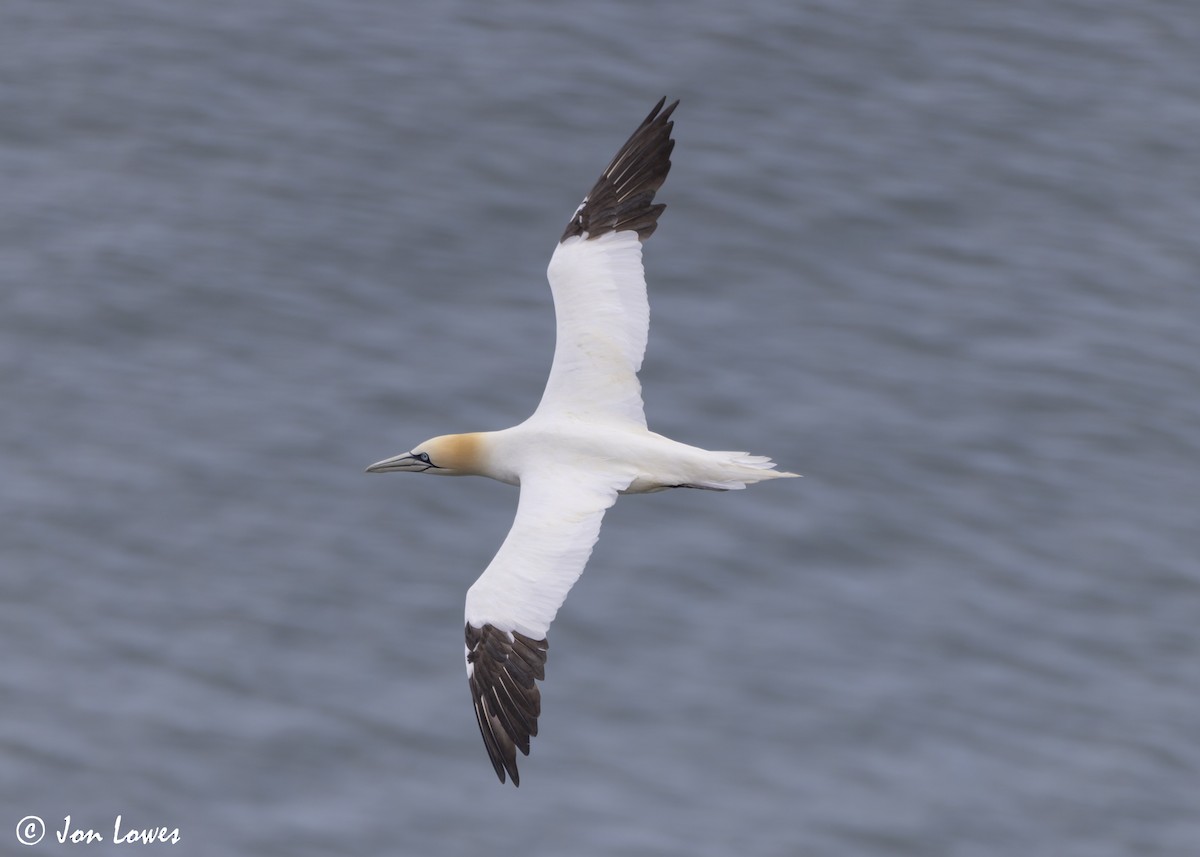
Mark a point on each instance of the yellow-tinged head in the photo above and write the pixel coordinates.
(447, 455)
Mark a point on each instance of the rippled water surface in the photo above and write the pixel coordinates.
(940, 258)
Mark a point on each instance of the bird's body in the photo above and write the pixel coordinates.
(639, 460)
(586, 443)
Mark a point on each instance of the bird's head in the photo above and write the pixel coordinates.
(447, 455)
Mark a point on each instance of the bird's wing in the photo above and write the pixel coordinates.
(511, 605)
(599, 285)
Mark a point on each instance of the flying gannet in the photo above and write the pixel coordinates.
(586, 443)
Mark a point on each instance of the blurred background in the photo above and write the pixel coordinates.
(940, 258)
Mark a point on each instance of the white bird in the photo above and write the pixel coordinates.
(586, 443)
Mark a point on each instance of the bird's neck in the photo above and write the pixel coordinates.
(483, 453)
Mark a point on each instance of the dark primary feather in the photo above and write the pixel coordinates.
(622, 196)
(507, 702)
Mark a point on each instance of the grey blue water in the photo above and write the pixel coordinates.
(941, 258)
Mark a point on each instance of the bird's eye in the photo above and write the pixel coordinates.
(424, 456)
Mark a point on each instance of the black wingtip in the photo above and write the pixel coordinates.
(666, 114)
(505, 667)
(621, 200)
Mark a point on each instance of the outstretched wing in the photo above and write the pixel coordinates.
(511, 605)
(599, 285)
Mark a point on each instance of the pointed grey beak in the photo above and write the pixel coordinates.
(399, 463)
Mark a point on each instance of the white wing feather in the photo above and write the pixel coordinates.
(557, 524)
(603, 320)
